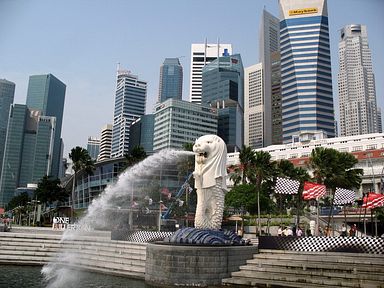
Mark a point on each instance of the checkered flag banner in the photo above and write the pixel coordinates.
(373, 200)
(286, 186)
(343, 196)
(313, 190)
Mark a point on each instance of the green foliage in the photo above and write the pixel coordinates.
(81, 160)
(20, 200)
(49, 191)
(135, 156)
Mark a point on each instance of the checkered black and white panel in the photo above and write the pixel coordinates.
(324, 244)
(343, 196)
(286, 186)
(141, 236)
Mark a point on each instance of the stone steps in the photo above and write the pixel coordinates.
(86, 252)
(275, 268)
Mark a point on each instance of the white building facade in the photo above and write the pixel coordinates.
(201, 55)
(356, 83)
(254, 113)
(105, 143)
(368, 149)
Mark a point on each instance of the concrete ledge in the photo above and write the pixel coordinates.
(176, 265)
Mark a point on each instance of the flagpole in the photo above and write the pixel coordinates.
(317, 218)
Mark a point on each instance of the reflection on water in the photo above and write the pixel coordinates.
(31, 277)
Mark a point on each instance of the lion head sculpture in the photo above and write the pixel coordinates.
(210, 161)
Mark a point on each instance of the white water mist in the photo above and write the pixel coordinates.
(59, 273)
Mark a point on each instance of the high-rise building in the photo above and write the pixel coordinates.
(46, 93)
(254, 112)
(93, 147)
(130, 100)
(223, 89)
(28, 150)
(356, 81)
(307, 101)
(178, 122)
(201, 55)
(141, 133)
(171, 80)
(7, 94)
(269, 56)
(105, 143)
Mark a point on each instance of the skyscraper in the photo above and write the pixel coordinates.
(105, 143)
(28, 150)
(223, 89)
(269, 56)
(171, 80)
(130, 100)
(7, 94)
(46, 93)
(356, 82)
(307, 101)
(93, 147)
(254, 109)
(142, 132)
(201, 55)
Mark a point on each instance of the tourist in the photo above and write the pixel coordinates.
(352, 231)
(289, 231)
(279, 231)
(343, 230)
(299, 232)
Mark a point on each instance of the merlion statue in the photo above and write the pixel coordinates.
(210, 181)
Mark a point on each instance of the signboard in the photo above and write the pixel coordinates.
(302, 11)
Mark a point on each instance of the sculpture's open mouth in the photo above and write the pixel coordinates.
(203, 154)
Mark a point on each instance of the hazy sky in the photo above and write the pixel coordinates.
(81, 42)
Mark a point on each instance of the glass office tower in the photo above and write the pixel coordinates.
(171, 80)
(223, 88)
(307, 100)
(46, 93)
(7, 94)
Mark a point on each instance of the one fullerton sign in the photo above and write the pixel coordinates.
(302, 11)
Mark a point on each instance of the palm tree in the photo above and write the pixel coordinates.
(242, 173)
(335, 169)
(285, 168)
(262, 169)
(80, 161)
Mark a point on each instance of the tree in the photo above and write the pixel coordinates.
(81, 161)
(335, 169)
(19, 200)
(243, 173)
(135, 156)
(49, 190)
(285, 168)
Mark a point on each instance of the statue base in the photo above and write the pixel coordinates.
(193, 265)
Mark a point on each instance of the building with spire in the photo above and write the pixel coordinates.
(201, 55)
(130, 101)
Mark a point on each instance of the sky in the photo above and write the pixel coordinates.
(81, 42)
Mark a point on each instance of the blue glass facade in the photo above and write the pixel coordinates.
(223, 88)
(307, 100)
(171, 80)
(7, 94)
(141, 133)
(46, 93)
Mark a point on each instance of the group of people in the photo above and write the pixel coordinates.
(351, 232)
(289, 231)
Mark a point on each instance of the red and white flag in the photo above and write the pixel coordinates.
(313, 190)
(373, 200)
